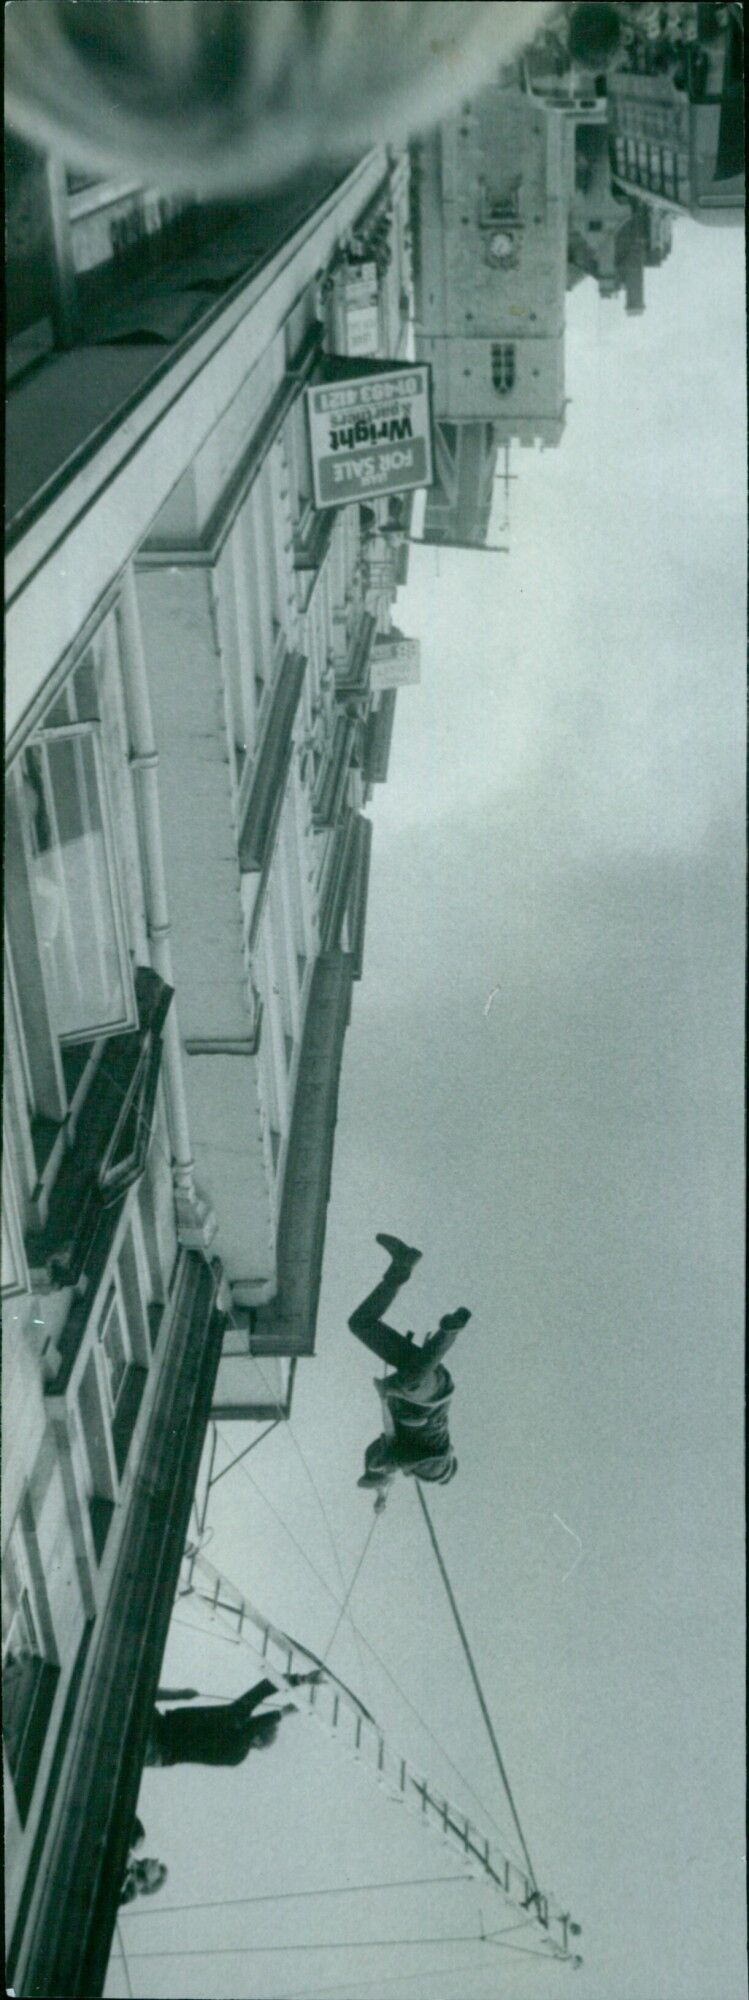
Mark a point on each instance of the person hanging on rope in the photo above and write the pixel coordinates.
(223, 1733)
(415, 1399)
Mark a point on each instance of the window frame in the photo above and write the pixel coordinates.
(23, 1747)
(13, 1266)
(129, 1247)
(113, 1310)
(44, 741)
(503, 366)
(113, 1412)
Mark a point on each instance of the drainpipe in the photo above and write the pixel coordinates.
(196, 1223)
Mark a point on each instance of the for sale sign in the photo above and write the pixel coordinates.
(370, 435)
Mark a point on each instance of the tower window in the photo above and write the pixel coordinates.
(503, 368)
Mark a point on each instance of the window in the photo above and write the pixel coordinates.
(115, 1349)
(270, 768)
(70, 978)
(257, 594)
(297, 438)
(13, 1268)
(267, 526)
(497, 209)
(29, 1675)
(72, 876)
(115, 1376)
(503, 368)
(669, 172)
(124, 1324)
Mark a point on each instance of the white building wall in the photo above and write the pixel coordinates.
(65, 564)
(59, 1453)
(172, 558)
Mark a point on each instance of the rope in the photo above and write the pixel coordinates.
(476, 1682)
(344, 1607)
(369, 1648)
(350, 1591)
(292, 1895)
(294, 1441)
(319, 1503)
(242, 1454)
(188, 1625)
(352, 1987)
(528, 1951)
(315, 1944)
(343, 1610)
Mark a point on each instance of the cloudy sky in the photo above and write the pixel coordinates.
(542, 1088)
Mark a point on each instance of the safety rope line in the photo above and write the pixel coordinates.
(152, 1135)
(476, 1682)
(398, 1776)
(353, 1987)
(390, 1676)
(294, 1441)
(369, 1648)
(240, 1454)
(349, 1594)
(162, 1909)
(323, 1945)
(355, 1634)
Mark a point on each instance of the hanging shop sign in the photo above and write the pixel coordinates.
(359, 299)
(395, 662)
(352, 311)
(370, 434)
(362, 326)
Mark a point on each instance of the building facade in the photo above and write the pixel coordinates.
(492, 191)
(490, 196)
(600, 228)
(676, 132)
(111, 1326)
(192, 740)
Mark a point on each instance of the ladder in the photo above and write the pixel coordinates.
(338, 1712)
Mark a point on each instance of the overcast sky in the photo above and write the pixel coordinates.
(542, 1088)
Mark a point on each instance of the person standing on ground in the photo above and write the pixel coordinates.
(416, 1398)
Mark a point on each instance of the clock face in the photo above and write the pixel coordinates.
(502, 246)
